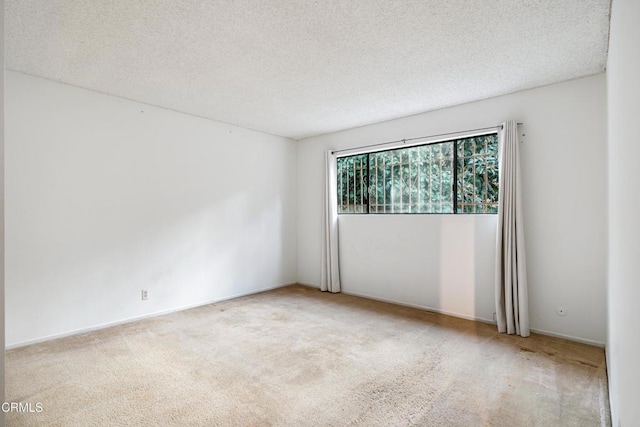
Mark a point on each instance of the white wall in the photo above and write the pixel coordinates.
(623, 345)
(2, 333)
(105, 197)
(441, 262)
(446, 262)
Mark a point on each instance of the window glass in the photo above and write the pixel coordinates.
(422, 179)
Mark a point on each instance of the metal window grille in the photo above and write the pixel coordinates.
(477, 174)
(353, 184)
(459, 176)
(411, 180)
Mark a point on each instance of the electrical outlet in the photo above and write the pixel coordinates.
(495, 317)
(145, 294)
(561, 311)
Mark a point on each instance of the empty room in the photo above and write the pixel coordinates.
(320, 213)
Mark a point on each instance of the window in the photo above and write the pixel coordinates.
(458, 176)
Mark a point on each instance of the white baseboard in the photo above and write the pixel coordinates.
(420, 307)
(474, 318)
(308, 285)
(242, 294)
(141, 317)
(568, 337)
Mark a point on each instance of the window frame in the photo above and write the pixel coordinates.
(404, 144)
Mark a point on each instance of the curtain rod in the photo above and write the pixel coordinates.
(421, 137)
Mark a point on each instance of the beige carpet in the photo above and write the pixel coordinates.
(299, 357)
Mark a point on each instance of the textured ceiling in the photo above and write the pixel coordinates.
(301, 68)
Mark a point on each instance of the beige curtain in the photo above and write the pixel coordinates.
(330, 276)
(512, 308)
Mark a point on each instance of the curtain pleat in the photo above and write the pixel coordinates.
(512, 309)
(330, 273)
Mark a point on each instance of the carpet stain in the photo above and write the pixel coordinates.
(590, 365)
(280, 317)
